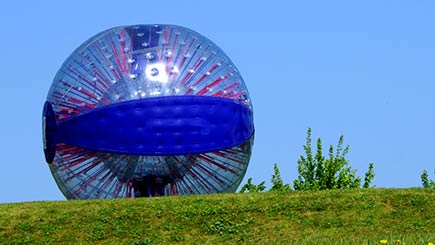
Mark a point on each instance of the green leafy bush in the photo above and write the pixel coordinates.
(317, 172)
(427, 183)
(277, 183)
(250, 187)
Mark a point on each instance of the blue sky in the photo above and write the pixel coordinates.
(362, 69)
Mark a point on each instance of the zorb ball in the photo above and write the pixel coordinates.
(147, 110)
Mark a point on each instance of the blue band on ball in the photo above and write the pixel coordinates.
(172, 125)
(49, 132)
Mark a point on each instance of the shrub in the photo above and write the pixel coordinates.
(427, 183)
(317, 172)
(250, 187)
(277, 183)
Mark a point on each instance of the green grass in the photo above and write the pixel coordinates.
(364, 216)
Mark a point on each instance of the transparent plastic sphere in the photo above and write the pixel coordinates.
(137, 66)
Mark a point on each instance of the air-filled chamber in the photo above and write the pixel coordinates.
(147, 110)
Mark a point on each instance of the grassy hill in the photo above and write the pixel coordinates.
(367, 216)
